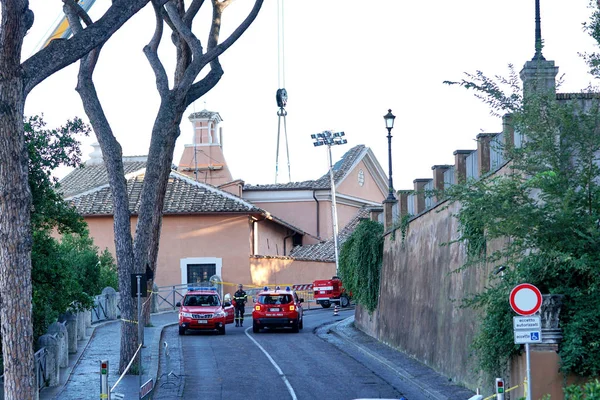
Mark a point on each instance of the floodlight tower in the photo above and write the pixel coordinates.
(331, 139)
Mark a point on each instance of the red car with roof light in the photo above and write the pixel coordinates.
(276, 308)
(202, 309)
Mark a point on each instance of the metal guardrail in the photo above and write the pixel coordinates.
(40, 368)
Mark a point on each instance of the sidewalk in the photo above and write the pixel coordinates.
(423, 381)
(81, 377)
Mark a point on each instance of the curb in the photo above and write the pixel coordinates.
(403, 374)
(155, 354)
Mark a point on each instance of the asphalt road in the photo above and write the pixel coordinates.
(271, 365)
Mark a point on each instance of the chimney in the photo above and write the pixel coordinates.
(95, 156)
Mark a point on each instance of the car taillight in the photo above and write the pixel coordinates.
(257, 308)
(292, 308)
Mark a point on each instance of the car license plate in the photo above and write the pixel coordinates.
(322, 292)
(202, 321)
(273, 309)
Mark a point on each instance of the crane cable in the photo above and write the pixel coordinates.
(281, 95)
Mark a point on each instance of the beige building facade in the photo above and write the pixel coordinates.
(214, 225)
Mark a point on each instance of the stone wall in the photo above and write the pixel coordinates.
(419, 309)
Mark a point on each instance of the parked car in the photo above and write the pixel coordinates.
(202, 309)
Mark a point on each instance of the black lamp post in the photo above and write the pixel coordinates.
(389, 124)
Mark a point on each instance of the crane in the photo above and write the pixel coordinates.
(281, 95)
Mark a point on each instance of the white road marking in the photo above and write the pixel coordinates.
(279, 371)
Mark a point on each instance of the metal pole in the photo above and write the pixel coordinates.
(528, 371)
(333, 212)
(391, 183)
(140, 327)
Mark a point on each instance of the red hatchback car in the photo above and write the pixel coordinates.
(202, 309)
(277, 308)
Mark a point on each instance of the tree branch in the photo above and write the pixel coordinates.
(184, 31)
(60, 53)
(211, 54)
(190, 14)
(151, 52)
(203, 86)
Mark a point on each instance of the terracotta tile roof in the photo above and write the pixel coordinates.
(91, 176)
(183, 196)
(340, 169)
(325, 251)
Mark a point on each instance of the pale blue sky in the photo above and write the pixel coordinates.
(347, 62)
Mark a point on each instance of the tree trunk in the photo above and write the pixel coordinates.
(15, 246)
(15, 205)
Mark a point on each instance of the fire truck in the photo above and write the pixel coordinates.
(330, 291)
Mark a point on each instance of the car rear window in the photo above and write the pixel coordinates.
(275, 298)
(201, 300)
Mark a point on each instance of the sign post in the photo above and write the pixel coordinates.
(525, 299)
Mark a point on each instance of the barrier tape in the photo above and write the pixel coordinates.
(512, 388)
(127, 368)
(131, 322)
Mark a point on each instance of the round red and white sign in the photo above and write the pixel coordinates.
(525, 299)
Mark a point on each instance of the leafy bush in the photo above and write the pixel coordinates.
(360, 263)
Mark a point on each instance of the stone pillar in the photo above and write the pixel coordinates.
(508, 130)
(483, 152)
(59, 331)
(52, 358)
(87, 318)
(111, 302)
(388, 213)
(538, 76)
(403, 202)
(80, 325)
(438, 180)
(551, 306)
(374, 213)
(72, 331)
(420, 194)
(460, 165)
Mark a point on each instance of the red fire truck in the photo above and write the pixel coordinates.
(330, 291)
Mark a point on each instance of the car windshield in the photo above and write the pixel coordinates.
(201, 300)
(275, 299)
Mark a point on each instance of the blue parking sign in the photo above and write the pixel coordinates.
(535, 336)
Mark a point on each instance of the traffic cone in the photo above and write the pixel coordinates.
(336, 311)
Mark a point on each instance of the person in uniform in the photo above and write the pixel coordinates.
(240, 297)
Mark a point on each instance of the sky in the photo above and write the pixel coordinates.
(346, 63)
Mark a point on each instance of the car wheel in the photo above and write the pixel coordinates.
(325, 304)
(222, 330)
(295, 325)
(255, 328)
(181, 330)
(344, 301)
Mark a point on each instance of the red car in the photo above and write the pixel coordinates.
(277, 308)
(202, 309)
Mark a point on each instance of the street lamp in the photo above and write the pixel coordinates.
(389, 124)
(331, 139)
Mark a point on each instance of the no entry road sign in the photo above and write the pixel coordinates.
(525, 299)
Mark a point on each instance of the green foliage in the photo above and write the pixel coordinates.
(541, 215)
(67, 272)
(589, 391)
(360, 262)
(47, 150)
